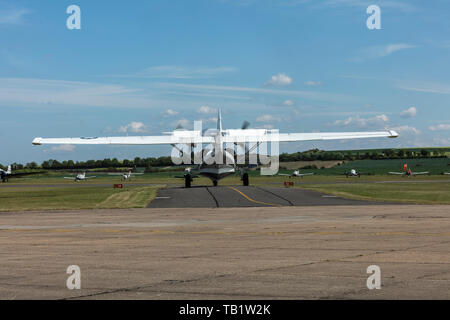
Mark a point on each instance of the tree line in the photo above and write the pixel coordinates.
(310, 155)
(320, 155)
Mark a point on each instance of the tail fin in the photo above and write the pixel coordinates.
(405, 167)
(9, 170)
(219, 120)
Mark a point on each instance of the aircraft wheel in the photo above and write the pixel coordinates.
(245, 179)
(187, 181)
(215, 183)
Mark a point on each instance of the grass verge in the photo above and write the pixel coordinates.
(86, 197)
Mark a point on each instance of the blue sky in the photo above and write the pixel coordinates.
(142, 67)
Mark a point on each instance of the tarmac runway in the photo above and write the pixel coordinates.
(290, 252)
(251, 196)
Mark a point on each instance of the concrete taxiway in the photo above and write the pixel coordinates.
(289, 252)
(251, 196)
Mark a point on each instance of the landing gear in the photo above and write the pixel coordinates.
(245, 179)
(187, 181)
(215, 183)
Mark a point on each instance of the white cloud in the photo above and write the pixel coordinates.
(14, 16)
(212, 119)
(357, 121)
(64, 148)
(392, 4)
(62, 93)
(267, 118)
(288, 103)
(376, 52)
(180, 72)
(438, 88)
(265, 126)
(313, 83)
(406, 130)
(440, 127)
(206, 110)
(183, 123)
(280, 79)
(409, 113)
(218, 88)
(170, 112)
(136, 127)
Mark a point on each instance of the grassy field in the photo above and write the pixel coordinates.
(87, 197)
(435, 166)
(51, 191)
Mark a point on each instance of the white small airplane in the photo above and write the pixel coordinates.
(216, 141)
(188, 177)
(408, 172)
(4, 174)
(125, 176)
(447, 173)
(296, 173)
(353, 173)
(80, 177)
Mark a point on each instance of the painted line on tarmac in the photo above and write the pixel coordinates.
(255, 201)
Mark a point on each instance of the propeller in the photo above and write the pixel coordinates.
(179, 127)
(245, 125)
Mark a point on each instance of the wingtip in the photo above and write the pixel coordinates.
(393, 134)
(37, 141)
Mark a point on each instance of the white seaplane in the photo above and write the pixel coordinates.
(219, 161)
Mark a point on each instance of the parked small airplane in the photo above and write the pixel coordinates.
(188, 177)
(296, 173)
(216, 141)
(80, 177)
(6, 175)
(407, 172)
(125, 176)
(353, 173)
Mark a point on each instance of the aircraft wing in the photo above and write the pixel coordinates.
(419, 173)
(136, 140)
(305, 174)
(397, 173)
(242, 136)
(283, 174)
(182, 177)
(90, 177)
(447, 173)
(69, 178)
(195, 137)
(21, 174)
